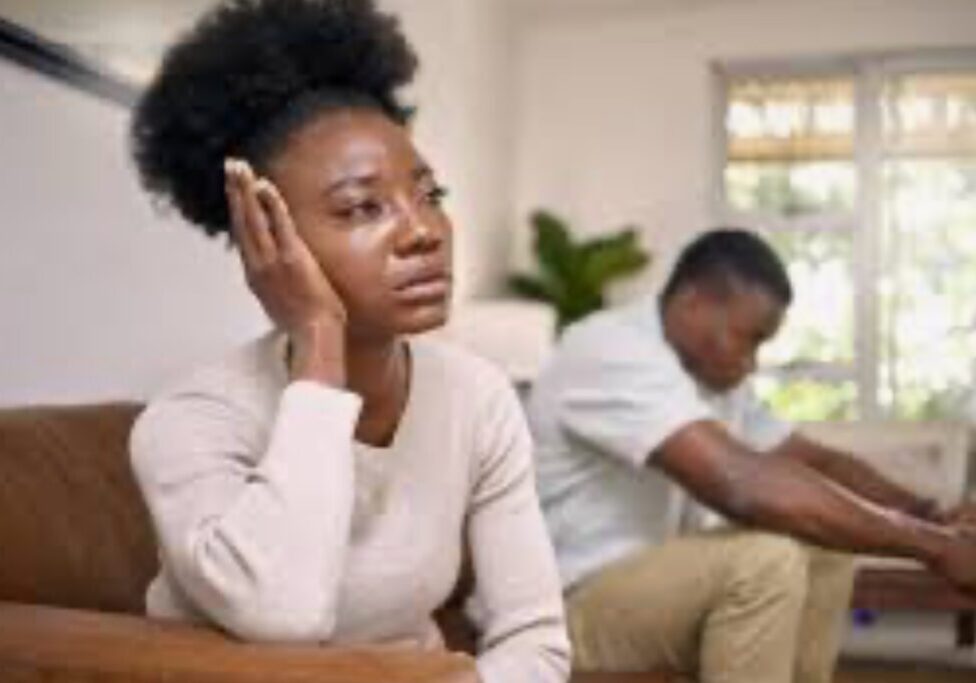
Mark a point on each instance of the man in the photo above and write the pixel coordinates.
(644, 397)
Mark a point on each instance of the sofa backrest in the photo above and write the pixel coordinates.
(930, 458)
(74, 531)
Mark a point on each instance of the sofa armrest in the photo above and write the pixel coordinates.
(57, 645)
(624, 677)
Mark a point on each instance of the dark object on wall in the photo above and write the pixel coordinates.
(63, 64)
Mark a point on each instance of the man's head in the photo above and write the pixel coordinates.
(727, 295)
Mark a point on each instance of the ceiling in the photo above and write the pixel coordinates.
(129, 35)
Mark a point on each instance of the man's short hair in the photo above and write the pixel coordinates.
(727, 256)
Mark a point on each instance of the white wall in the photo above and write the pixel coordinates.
(100, 297)
(615, 118)
(602, 114)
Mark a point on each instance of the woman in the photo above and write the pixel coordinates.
(320, 483)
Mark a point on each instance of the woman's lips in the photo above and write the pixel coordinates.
(425, 290)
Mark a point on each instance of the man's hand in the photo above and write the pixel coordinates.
(962, 515)
(285, 277)
(958, 563)
(858, 476)
(784, 495)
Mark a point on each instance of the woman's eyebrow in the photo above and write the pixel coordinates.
(351, 180)
(422, 171)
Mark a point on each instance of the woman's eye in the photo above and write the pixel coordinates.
(361, 211)
(435, 195)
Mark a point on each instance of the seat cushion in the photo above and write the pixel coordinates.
(73, 529)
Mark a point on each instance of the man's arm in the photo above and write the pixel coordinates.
(857, 476)
(783, 495)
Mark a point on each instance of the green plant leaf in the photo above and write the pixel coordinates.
(578, 307)
(624, 238)
(531, 287)
(606, 266)
(611, 258)
(574, 274)
(554, 247)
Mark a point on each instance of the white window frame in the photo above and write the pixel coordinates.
(869, 72)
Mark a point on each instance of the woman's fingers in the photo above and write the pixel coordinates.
(251, 226)
(285, 234)
(255, 218)
(281, 270)
(294, 253)
(235, 207)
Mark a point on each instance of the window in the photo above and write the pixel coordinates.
(862, 174)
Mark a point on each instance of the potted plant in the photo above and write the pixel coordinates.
(573, 274)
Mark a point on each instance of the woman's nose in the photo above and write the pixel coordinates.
(417, 231)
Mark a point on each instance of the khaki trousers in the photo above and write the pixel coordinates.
(727, 606)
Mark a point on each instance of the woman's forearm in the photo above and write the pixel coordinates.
(258, 548)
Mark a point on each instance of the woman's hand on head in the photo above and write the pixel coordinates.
(285, 277)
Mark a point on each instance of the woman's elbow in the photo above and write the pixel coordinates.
(278, 623)
(258, 609)
(252, 600)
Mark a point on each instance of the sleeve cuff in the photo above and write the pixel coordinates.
(319, 395)
(308, 409)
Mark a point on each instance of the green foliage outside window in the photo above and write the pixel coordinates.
(864, 180)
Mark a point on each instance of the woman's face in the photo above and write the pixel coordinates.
(369, 209)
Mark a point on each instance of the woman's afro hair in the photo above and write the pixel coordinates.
(239, 71)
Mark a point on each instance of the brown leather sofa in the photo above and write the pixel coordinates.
(77, 552)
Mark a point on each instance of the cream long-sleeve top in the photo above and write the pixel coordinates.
(276, 525)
